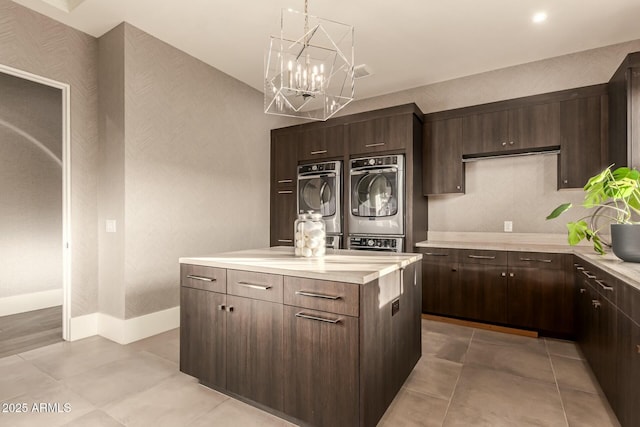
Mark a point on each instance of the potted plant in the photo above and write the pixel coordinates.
(616, 194)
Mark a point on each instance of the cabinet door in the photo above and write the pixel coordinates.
(442, 168)
(283, 215)
(255, 350)
(484, 292)
(485, 133)
(581, 141)
(534, 126)
(321, 143)
(628, 371)
(440, 287)
(393, 133)
(203, 332)
(406, 326)
(321, 375)
(604, 322)
(284, 158)
(535, 298)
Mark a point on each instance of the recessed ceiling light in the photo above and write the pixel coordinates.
(539, 17)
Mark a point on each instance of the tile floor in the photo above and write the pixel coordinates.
(466, 377)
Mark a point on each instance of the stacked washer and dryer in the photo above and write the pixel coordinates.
(375, 201)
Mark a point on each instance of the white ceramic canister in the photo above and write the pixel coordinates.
(310, 235)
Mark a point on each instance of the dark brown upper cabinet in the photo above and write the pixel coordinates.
(624, 120)
(522, 128)
(321, 143)
(284, 158)
(583, 140)
(443, 170)
(392, 133)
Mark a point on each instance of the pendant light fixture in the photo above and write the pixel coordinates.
(309, 69)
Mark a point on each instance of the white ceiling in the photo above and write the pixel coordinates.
(406, 43)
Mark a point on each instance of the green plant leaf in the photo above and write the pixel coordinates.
(559, 210)
(577, 232)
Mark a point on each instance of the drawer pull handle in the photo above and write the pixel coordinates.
(318, 152)
(375, 144)
(588, 274)
(596, 303)
(201, 278)
(314, 295)
(254, 286)
(536, 260)
(285, 192)
(604, 286)
(285, 181)
(481, 257)
(285, 240)
(579, 268)
(319, 319)
(435, 254)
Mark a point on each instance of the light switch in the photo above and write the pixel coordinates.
(508, 226)
(111, 226)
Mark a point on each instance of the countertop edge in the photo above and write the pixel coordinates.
(361, 277)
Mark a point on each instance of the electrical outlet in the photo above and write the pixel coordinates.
(508, 226)
(110, 226)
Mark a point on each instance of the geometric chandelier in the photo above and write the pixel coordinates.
(309, 70)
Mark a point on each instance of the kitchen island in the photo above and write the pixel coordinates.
(323, 342)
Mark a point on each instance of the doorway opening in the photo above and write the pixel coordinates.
(35, 223)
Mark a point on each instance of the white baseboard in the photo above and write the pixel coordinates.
(29, 302)
(125, 331)
(83, 326)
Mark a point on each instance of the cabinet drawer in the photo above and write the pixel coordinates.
(262, 286)
(444, 255)
(205, 278)
(604, 284)
(536, 259)
(335, 297)
(473, 256)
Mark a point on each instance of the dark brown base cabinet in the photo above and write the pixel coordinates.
(520, 289)
(609, 337)
(314, 361)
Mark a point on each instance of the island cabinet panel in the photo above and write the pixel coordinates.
(203, 277)
(323, 295)
(393, 133)
(442, 168)
(321, 375)
(254, 353)
(203, 332)
(262, 286)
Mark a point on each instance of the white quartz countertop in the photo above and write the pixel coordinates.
(337, 265)
(628, 272)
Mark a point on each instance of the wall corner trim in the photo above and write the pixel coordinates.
(124, 331)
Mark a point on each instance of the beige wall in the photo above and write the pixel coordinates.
(111, 171)
(190, 178)
(30, 187)
(42, 46)
(497, 190)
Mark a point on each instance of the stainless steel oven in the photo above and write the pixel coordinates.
(319, 191)
(376, 200)
(376, 243)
